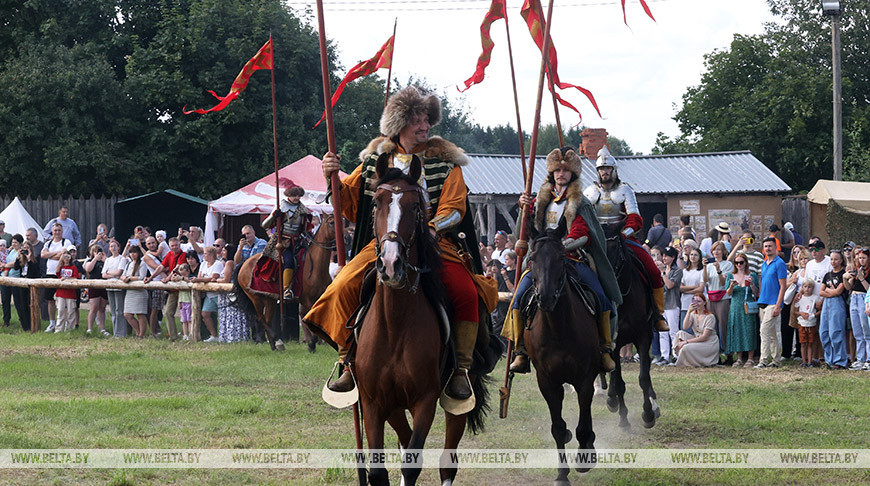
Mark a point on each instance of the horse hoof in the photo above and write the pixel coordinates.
(561, 482)
(583, 469)
(280, 347)
(658, 413)
(648, 422)
(625, 426)
(612, 404)
(568, 436)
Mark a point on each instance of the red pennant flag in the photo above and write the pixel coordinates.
(534, 16)
(383, 59)
(262, 60)
(496, 11)
(645, 9)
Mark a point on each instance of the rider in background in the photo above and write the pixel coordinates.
(561, 198)
(617, 209)
(295, 218)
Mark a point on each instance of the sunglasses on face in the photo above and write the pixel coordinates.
(739, 262)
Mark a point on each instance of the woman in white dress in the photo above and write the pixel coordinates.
(702, 349)
(136, 300)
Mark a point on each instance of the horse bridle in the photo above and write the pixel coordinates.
(326, 246)
(404, 249)
(563, 274)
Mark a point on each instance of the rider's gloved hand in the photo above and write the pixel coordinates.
(571, 244)
(627, 232)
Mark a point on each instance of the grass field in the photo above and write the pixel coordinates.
(77, 391)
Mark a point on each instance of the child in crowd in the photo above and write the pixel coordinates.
(66, 298)
(809, 306)
(182, 273)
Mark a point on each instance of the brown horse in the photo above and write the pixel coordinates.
(316, 273)
(400, 348)
(635, 327)
(562, 342)
(315, 276)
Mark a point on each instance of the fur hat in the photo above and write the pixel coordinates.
(567, 157)
(406, 103)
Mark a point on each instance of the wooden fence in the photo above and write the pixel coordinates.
(34, 284)
(796, 209)
(86, 212)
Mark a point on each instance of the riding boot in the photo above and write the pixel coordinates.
(520, 363)
(661, 325)
(344, 383)
(459, 386)
(604, 338)
(288, 282)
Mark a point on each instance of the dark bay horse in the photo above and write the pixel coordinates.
(562, 342)
(316, 271)
(636, 316)
(400, 348)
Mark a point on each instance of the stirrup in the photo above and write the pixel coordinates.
(658, 319)
(456, 406)
(340, 399)
(520, 364)
(288, 294)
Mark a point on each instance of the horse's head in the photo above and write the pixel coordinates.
(399, 218)
(327, 228)
(548, 267)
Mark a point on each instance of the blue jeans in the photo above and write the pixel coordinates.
(860, 328)
(832, 331)
(587, 276)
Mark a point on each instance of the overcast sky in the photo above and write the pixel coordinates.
(637, 73)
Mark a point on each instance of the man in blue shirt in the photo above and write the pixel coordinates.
(770, 295)
(70, 228)
(249, 245)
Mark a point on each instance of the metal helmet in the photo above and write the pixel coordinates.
(605, 159)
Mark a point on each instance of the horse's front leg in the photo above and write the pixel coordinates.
(616, 395)
(585, 435)
(454, 430)
(650, 407)
(268, 314)
(554, 393)
(374, 426)
(423, 414)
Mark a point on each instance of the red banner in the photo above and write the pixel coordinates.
(496, 11)
(262, 60)
(534, 16)
(645, 9)
(383, 59)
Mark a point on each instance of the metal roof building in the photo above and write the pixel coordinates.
(722, 172)
(705, 186)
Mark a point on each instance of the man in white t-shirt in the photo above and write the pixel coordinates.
(51, 252)
(819, 265)
(210, 271)
(500, 242)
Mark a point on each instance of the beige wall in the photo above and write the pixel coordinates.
(818, 218)
(756, 209)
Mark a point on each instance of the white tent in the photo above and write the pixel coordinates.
(18, 220)
(258, 197)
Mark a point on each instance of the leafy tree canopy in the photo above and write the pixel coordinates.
(771, 94)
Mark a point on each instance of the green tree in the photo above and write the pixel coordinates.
(771, 94)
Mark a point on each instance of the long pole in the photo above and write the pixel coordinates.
(278, 225)
(522, 245)
(516, 97)
(390, 69)
(838, 99)
(336, 195)
(558, 120)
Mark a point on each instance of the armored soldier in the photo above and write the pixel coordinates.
(295, 219)
(616, 207)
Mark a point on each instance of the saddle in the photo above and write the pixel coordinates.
(487, 350)
(529, 300)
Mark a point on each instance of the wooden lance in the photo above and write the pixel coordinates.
(522, 246)
(336, 196)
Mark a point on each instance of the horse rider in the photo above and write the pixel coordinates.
(295, 219)
(405, 124)
(561, 198)
(617, 210)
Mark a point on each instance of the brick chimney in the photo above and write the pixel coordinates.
(592, 139)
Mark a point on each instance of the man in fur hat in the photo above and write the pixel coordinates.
(616, 207)
(561, 198)
(295, 219)
(405, 124)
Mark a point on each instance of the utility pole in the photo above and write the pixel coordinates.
(838, 99)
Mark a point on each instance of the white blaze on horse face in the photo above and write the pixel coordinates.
(390, 249)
